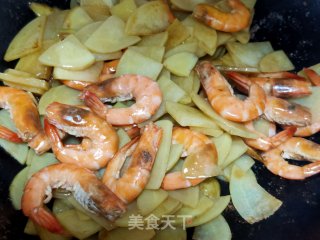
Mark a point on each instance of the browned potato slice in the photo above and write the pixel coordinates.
(124, 9)
(76, 19)
(177, 34)
(155, 40)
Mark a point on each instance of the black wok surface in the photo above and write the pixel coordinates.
(290, 25)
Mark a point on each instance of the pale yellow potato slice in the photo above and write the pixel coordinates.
(26, 88)
(155, 53)
(154, 40)
(177, 34)
(174, 156)
(28, 40)
(123, 137)
(170, 234)
(54, 25)
(16, 188)
(107, 56)
(124, 9)
(190, 47)
(86, 31)
(149, 200)
(90, 74)
(141, 65)
(238, 148)
(40, 9)
(161, 161)
(76, 19)
(315, 67)
(223, 145)
(30, 228)
(181, 63)
(223, 38)
(39, 162)
(171, 91)
(210, 188)
(189, 5)
(276, 61)
(245, 162)
(68, 54)
(167, 207)
(126, 234)
(213, 132)
(132, 209)
(110, 37)
(188, 196)
(45, 234)
(98, 10)
(152, 17)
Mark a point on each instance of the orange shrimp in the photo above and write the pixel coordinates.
(87, 189)
(25, 116)
(145, 91)
(234, 21)
(100, 141)
(312, 76)
(221, 97)
(143, 150)
(202, 150)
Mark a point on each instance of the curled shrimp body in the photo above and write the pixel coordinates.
(144, 90)
(234, 21)
(204, 156)
(87, 189)
(100, 141)
(143, 151)
(24, 114)
(222, 99)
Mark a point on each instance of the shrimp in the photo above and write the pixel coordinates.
(298, 148)
(202, 150)
(221, 97)
(25, 116)
(143, 150)
(100, 141)
(145, 91)
(87, 189)
(288, 85)
(234, 21)
(308, 130)
(312, 76)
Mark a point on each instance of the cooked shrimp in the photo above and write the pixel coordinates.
(278, 165)
(145, 91)
(143, 150)
(9, 135)
(235, 20)
(221, 97)
(312, 76)
(309, 130)
(77, 85)
(283, 112)
(203, 151)
(100, 141)
(24, 114)
(290, 86)
(265, 143)
(87, 189)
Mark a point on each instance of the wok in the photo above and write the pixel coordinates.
(290, 25)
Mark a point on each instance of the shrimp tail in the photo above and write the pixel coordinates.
(52, 133)
(312, 169)
(283, 136)
(312, 76)
(46, 220)
(176, 180)
(242, 82)
(94, 103)
(9, 135)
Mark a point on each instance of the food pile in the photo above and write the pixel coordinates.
(127, 116)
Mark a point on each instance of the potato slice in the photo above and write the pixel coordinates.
(252, 202)
(90, 74)
(86, 31)
(188, 196)
(189, 116)
(98, 10)
(210, 188)
(110, 37)
(161, 161)
(230, 127)
(30, 228)
(76, 19)
(190, 47)
(171, 91)
(155, 53)
(127, 234)
(123, 137)
(141, 65)
(16, 188)
(40, 9)
(61, 94)
(275, 62)
(54, 25)
(223, 145)
(177, 34)
(213, 132)
(245, 162)
(124, 9)
(171, 234)
(61, 205)
(155, 40)
(167, 207)
(238, 148)
(181, 63)
(152, 17)
(44, 234)
(174, 156)
(41, 161)
(68, 54)
(149, 200)
(28, 40)
(217, 228)
(132, 209)
(223, 38)
(107, 56)
(188, 5)
(17, 151)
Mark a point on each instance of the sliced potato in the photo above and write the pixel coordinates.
(86, 31)
(41, 9)
(213, 132)
(190, 47)
(68, 54)
(61, 94)
(238, 148)
(252, 202)
(223, 145)
(167, 207)
(44, 234)
(210, 188)
(174, 156)
(61, 205)
(127, 234)
(188, 196)
(186, 83)
(107, 56)
(217, 228)
(275, 62)
(188, 5)
(171, 234)
(110, 37)
(124, 9)
(40, 162)
(97, 10)
(123, 137)
(155, 53)
(152, 17)
(161, 161)
(141, 65)
(90, 74)
(171, 91)
(262, 125)
(155, 40)
(132, 210)
(76, 19)
(181, 63)
(54, 25)
(223, 38)
(149, 200)
(177, 34)
(28, 40)
(30, 228)
(16, 188)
